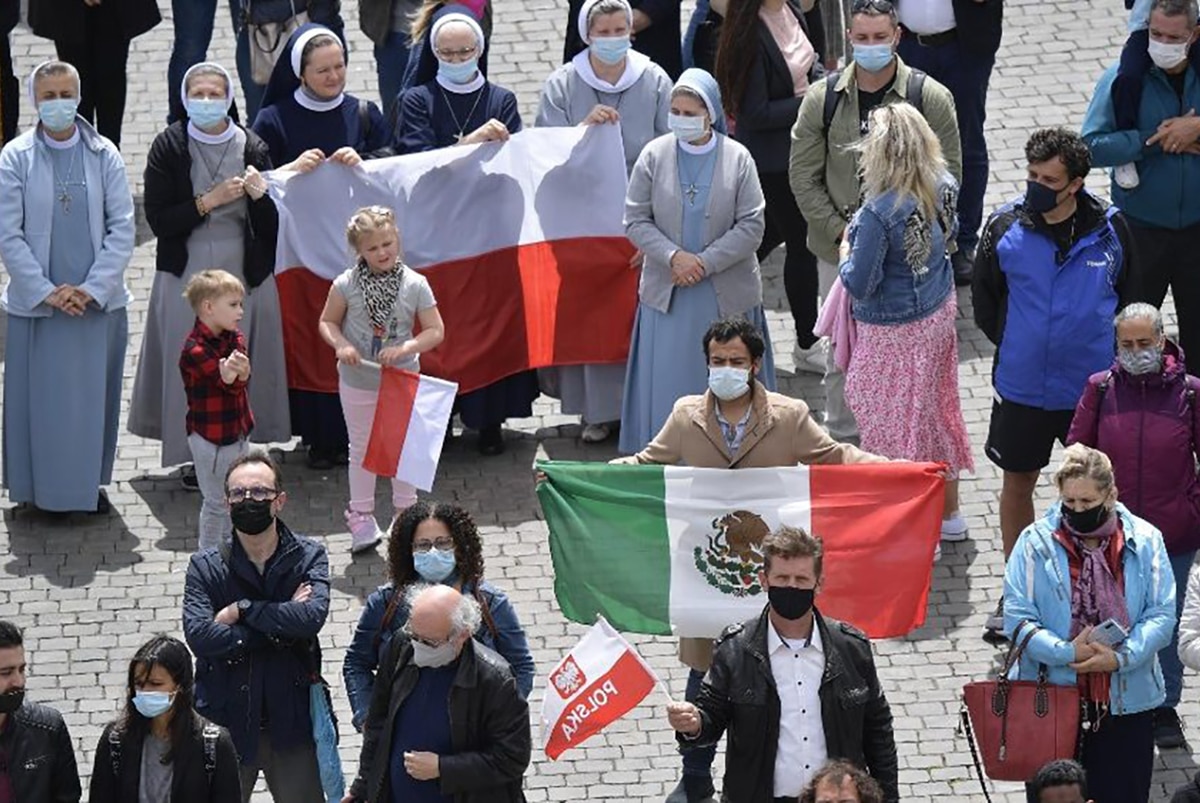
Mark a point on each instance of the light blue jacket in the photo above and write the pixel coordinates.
(1168, 192)
(27, 212)
(1037, 589)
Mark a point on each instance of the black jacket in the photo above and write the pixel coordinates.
(170, 201)
(489, 728)
(41, 756)
(64, 20)
(980, 24)
(190, 781)
(661, 41)
(739, 695)
(769, 104)
(1189, 792)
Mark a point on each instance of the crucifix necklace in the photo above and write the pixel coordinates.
(688, 183)
(462, 127)
(64, 184)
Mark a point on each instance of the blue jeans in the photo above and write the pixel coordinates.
(1168, 656)
(697, 762)
(193, 35)
(689, 38)
(391, 61)
(966, 74)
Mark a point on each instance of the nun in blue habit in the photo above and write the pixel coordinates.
(459, 106)
(695, 208)
(66, 236)
(308, 117)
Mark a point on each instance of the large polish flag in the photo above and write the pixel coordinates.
(411, 418)
(601, 680)
(523, 243)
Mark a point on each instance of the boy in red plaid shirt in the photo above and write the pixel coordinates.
(215, 370)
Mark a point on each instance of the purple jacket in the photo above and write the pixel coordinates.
(1149, 427)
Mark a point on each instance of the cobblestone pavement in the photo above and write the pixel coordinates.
(91, 589)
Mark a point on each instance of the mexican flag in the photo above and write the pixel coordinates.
(667, 549)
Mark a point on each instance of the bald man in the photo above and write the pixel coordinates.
(446, 721)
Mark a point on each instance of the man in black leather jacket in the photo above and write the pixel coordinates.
(781, 731)
(446, 717)
(37, 760)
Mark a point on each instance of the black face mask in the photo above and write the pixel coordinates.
(1040, 198)
(791, 603)
(1085, 521)
(251, 517)
(11, 700)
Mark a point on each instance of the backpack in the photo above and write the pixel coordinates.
(912, 93)
(210, 735)
(1189, 394)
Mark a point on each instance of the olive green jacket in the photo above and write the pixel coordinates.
(824, 176)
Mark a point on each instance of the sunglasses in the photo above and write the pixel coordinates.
(878, 6)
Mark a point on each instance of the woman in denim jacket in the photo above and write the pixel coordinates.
(902, 382)
(431, 543)
(1089, 560)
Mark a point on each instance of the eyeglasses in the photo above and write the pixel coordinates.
(406, 629)
(462, 54)
(258, 493)
(445, 544)
(878, 6)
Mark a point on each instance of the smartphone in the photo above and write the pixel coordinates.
(1109, 632)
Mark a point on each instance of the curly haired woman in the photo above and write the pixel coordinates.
(431, 543)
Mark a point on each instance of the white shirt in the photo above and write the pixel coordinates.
(926, 16)
(801, 751)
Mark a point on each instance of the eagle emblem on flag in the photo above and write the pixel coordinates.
(568, 679)
(731, 561)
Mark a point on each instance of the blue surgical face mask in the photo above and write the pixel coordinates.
(207, 112)
(687, 129)
(728, 383)
(58, 114)
(458, 72)
(152, 703)
(435, 565)
(609, 49)
(873, 58)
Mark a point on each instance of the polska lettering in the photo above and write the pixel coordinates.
(573, 720)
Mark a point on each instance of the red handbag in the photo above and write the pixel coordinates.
(1019, 725)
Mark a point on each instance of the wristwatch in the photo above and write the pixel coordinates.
(244, 606)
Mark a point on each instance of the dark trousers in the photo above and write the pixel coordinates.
(1119, 759)
(1169, 258)
(786, 225)
(100, 59)
(10, 92)
(966, 74)
(697, 762)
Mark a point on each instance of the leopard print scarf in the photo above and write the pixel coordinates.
(379, 291)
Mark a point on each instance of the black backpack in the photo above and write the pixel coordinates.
(912, 94)
(211, 733)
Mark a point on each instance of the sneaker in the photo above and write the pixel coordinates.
(596, 433)
(693, 789)
(1127, 178)
(810, 360)
(993, 629)
(954, 529)
(187, 478)
(937, 553)
(1168, 731)
(364, 531)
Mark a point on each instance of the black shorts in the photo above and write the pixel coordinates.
(1021, 438)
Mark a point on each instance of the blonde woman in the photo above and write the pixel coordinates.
(902, 382)
(1086, 562)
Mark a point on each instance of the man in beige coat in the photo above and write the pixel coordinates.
(736, 423)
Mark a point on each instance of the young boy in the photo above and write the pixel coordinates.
(215, 370)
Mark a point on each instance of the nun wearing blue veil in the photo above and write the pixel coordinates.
(696, 210)
(307, 117)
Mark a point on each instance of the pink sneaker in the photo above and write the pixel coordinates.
(364, 531)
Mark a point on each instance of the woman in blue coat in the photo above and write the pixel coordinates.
(1085, 562)
(431, 543)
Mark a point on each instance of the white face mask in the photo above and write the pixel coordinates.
(425, 656)
(1167, 56)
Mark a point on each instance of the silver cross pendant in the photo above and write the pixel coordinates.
(690, 192)
(64, 198)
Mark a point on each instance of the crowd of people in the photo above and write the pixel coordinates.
(872, 177)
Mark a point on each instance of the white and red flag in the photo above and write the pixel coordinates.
(411, 417)
(601, 680)
(523, 243)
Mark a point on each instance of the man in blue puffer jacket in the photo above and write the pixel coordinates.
(1049, 276)
(252, 611)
